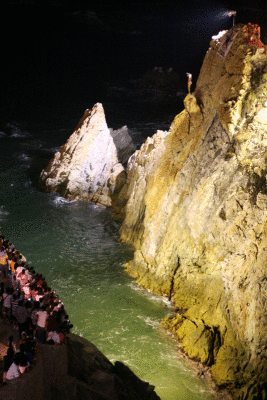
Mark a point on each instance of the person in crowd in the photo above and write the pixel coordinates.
(53, 337)
(27, 291)
(7, 303)
(14, 304)
(9, 261)
(8, 360)
(19, 256)
(39, 294)
(3, 263)
(23, 338)
(16, 283)
(22, 359)
(23, 278)
(35, 309)
(61, 335)
(13, 262)
(53, 321)
(42, 316)
(12, 344)
(13, 370)
(18, 272)
(29, 350)
(2, 291)
(21, 316)
(18, 367)
(40, 280)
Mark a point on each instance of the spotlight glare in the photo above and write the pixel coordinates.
(222, 15)
(231, 12)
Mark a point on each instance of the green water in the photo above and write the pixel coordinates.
(76, 246)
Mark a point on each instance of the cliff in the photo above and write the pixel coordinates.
(195, 207)
(76, 370)
(90, 166)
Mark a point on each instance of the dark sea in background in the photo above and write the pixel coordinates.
(57, 62)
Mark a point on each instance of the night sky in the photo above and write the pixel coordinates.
(64, 55)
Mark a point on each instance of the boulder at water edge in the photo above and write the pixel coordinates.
(90, 165)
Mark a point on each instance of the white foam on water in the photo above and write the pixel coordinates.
(59, 200)
(24, 157)
(16, 131)
(148, 294)
(196, 389)
(53, 150)
(3, 213)
(28, 184)
(150, 321)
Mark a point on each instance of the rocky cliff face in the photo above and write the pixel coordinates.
(90, 165)
(195, 207)
(75, 371)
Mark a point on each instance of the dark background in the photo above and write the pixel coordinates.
(59, 58)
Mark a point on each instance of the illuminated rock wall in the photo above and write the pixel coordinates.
(89, 166)
(195, 207)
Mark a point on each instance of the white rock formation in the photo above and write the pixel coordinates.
(89, 166)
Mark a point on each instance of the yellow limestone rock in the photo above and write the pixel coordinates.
(195, 208)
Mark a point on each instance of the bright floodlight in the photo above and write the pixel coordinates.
(231, 12)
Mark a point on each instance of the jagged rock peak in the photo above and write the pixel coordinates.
(89, 166)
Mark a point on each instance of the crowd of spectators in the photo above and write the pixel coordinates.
(29, 305)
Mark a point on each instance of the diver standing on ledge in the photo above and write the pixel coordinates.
(232, 13)
(189, 83)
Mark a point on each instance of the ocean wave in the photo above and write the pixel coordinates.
(28, 184)
(53, 150)
(3, 213)
(154, 323)
(59, 200)
(34, 144)
(150, 295)
(196, 389)
(24, 157)
(16, 131)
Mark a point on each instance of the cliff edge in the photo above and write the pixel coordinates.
(76, 370)
(195, 207)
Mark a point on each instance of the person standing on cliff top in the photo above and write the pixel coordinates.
(189, 82)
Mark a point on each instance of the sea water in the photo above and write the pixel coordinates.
(75, 245)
